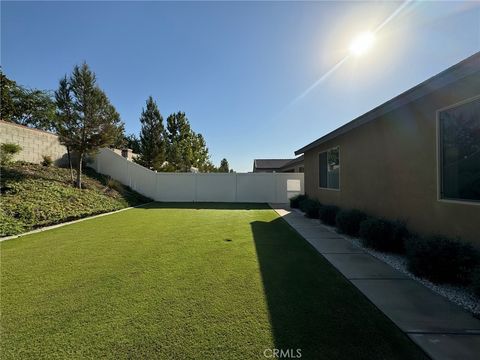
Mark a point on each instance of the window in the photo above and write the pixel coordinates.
(459, 150)
(329, 165)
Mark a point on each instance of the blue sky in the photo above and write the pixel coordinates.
(236, 68)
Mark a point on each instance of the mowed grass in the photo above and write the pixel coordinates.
(210, 281)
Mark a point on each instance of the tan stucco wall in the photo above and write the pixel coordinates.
(34, 143)
(389, 168)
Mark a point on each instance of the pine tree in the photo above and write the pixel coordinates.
(180, 140)
(133, 142)
(65, 116)
(185, 148)
(224, 168)
(85, 119)
(201, 157)
(152, 137)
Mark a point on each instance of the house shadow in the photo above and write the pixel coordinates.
(291, 289)
(310, 306)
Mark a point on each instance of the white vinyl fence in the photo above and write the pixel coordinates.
(198, 187)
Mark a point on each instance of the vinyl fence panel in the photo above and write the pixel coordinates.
(216, 187)
(212, 187)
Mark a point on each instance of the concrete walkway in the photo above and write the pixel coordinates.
(442, 329)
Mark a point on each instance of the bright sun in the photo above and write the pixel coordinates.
(362, 43)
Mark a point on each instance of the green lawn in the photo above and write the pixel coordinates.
(183, 282)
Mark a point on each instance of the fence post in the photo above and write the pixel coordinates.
(157, 175)
(195, 182)
(275, 183)
(236, 187)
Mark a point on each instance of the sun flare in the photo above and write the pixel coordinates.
(362, 43)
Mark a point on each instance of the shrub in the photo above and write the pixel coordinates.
(7, 151)
(303, 203)
(311, 207)
(328, 214)
(476, 281)
(442, 260)
(348, 221)
(383, 235)
(399, 237)
(295, 201)
(47, 160)
(115, 185)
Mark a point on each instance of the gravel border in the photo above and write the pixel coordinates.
(458, 295)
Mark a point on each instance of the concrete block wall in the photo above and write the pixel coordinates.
(35, 143)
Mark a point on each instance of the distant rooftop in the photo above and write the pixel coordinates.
(270, 163)
(275, 164)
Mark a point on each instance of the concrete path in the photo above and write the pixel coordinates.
(442, 329)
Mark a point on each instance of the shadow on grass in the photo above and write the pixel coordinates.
(206, 206)
(313, 308)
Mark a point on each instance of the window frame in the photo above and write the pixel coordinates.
(439, 159)
(339, 170)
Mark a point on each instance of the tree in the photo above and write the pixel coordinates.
(29, 107)
(185, 148)
(179, 146)
(119, 136)
(86, 120)
(132, 142)
(152, 137)
(224, 168)
(64, 116)
(200, 155)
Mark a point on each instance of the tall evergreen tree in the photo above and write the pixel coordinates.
(65, 116)
(152, 137)
(86, 120)
(133, 142)
(224, 168)
(180, 139)
(200, 155)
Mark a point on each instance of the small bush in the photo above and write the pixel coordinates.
(348, 221)
(312, 208)
(115, 185)
(47, 160)
(476, 281)
(328, 214)
(303, 203)
(442, 260)
(383, 235)
(295, 201)
(399, 237)
(7, 151)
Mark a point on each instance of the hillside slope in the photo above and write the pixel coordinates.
(33, 196)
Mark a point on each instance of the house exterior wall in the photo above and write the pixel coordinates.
(388, 167)
(35, 143)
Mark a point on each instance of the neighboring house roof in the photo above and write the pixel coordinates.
(270, 163)
(276, 164)
(456, 72)
(293, 162)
